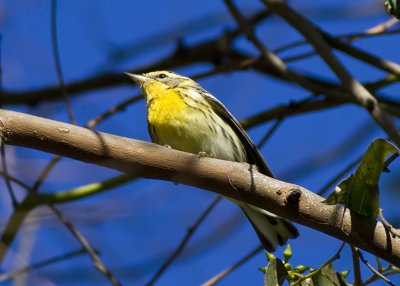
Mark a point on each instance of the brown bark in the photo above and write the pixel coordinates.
(236, 180)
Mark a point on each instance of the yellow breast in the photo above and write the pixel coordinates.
(172, 121)
(165, 106)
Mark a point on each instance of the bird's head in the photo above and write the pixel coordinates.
(158, 81)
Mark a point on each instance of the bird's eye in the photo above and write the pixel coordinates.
(162, 75)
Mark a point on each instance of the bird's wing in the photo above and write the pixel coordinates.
(253, 154)
(152, 132)
(271, 229)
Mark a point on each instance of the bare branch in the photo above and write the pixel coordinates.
(394, 231)
(385, 65)
(37, 265)
(376, 272)
(214, 280)
(184, 241)
(119, 107)
(45, 172)
(86, 245)
(336, 256)
(340, 175)
(57, 61)
(382, 28)
(315, 38)
(356, 266)
(269, 59)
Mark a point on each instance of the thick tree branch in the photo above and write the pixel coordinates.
(236, 180)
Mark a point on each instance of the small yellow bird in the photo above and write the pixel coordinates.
(183, 115)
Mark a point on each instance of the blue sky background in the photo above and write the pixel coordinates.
(137, 226)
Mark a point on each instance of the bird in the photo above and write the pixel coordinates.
(184, 116)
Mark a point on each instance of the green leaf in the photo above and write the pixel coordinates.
(287, 253)
(344, 273)
(275, 273)
(301, 269)
(360, 191)
(328, 277)
(307, 282)
(339, 195)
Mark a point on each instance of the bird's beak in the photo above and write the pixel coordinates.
(139, 79)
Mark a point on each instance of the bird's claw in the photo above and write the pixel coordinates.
(203, 154)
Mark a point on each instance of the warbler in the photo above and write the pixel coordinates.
(183, 115)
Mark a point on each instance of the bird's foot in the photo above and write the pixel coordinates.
(203, 154)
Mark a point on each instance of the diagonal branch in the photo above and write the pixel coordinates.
(235, 180)
(316, 39)
(57, 61)
(184, 241)
(59, 258)
(214, 280)
(269, 59)
(98, 264)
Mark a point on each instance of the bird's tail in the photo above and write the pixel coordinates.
(271, 229)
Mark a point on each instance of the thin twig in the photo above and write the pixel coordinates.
(379, 263)
(270, 132)
(366, 57)
(382, 27)
(393, 231)
(356, 266)
(340, 43)
(88, 248)
(189, 233)
(385, 271)
(11, 230)
(119, 107)
(376, 272)
(57, 61)
(345, 37)
(310, 104)
(16, 181)
(298, 57)
(6, 175)
(289, 109)
(40, 264)
(348, 168)
(340, 175)
(45, 172)
(326, 263)
(229, 270)
(389, 161)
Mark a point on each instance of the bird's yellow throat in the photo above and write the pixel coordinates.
(164, 105)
